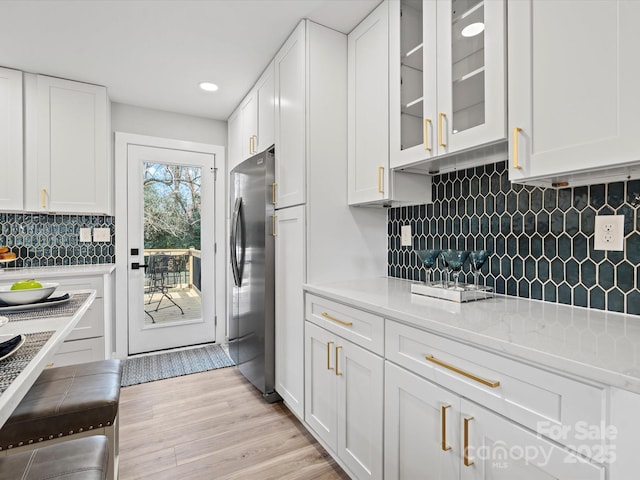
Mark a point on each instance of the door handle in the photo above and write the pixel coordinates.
(137, 266)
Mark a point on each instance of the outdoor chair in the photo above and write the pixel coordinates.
(159, 283)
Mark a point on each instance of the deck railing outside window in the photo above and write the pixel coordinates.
(184, 266)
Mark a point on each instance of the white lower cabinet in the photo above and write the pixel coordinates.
(499, 449)
(431, 429)
(421, 428)
(344, 400)
(90, 340)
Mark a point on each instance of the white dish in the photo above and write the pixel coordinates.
(7, 260)
(3, 321)
(33, 306)
(4, 338)
(24, 297)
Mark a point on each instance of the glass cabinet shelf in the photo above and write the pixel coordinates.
(464, 8)
(413, 58)
(414, 108)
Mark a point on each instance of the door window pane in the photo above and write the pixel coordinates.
(172, 208)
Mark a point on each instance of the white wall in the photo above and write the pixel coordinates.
(157, 123)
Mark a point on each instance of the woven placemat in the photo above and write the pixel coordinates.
(11, 367)
(66, 309)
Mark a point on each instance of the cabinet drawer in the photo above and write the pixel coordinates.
(79, 351)
(536, 398)
(91, 324)
(362, 328)
(68, 284)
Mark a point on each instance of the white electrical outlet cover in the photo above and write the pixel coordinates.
(85, 234)
(609, 233)
(101, 234)
(405, 234)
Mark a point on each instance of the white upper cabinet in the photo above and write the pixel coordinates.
(249, 125)
(290, 82)
(573, 94)
(368, 109)
(11, 139)
(66, 164)
(265, 93)
(447, 77)
(255, 117)
(370, 178)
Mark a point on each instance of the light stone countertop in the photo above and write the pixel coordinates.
(9, 274)
(61, 327)
(599, 346)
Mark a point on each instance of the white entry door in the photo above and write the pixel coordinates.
(171, 293)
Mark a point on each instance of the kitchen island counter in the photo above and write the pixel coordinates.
(47, 330)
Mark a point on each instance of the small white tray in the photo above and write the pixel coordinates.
(464, 293)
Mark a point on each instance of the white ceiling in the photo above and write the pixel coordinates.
(154, 53)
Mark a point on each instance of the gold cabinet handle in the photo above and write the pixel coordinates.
(516, 134)
(427, 125)
(467, 461)
(338, 374)
(441, 116)
(329, 367)
(337, 320)
(43, 197)
(483, 381)
(273, 225)
(255, 144)
(250, 144)
(380, 179)
(273, 193)
(443, 419)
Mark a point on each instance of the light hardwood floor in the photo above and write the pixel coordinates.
(214, 425)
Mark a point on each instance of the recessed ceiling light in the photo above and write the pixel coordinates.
(208, 86)
(473, 29)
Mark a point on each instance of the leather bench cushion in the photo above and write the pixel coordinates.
(79, 459)
(63, 401)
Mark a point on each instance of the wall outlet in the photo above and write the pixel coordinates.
(609, 233)
(405, 235)
(101, 234)
(85, 234)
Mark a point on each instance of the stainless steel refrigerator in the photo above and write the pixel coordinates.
(252, 321)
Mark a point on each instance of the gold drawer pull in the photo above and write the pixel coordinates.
(273, 193)
(484, 381)
(443, 419)
(43, 197)
(329, 367)
(467, 461)
(274, 219)
(338, 374)
(380, 180)
(337, 320)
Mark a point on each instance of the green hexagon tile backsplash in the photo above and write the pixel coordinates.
(50, 240)
(540, 239)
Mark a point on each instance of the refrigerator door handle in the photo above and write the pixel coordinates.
(237, 277)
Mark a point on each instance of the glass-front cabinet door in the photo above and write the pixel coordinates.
(471, 73)
(412, 82)
(447, 77)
